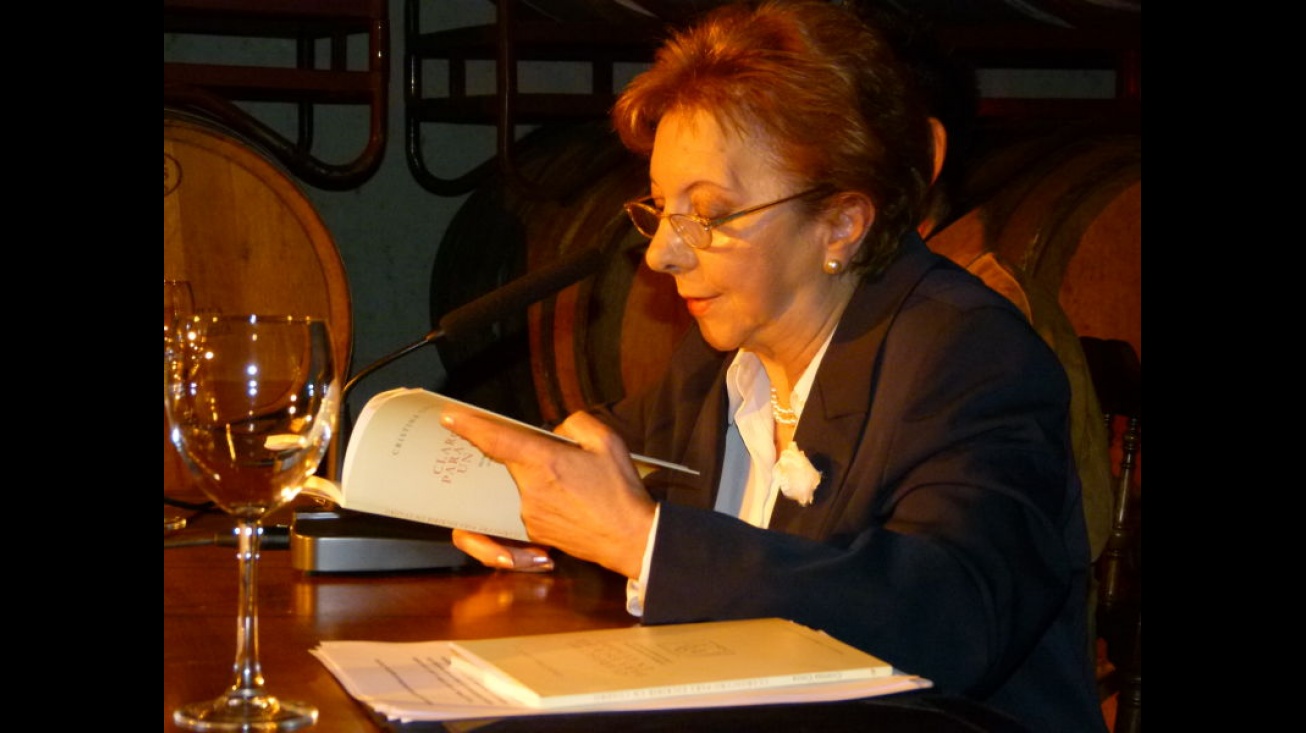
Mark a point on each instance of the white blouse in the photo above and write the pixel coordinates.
(746, 489)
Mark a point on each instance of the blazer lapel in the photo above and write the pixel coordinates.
(843, 392)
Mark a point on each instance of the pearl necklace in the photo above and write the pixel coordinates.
(782, 415)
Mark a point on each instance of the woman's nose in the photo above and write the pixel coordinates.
(667, 253)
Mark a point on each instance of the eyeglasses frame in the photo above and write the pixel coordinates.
(707, 224)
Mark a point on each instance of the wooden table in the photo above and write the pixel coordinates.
(299, 609)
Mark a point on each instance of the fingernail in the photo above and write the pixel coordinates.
(542, 562)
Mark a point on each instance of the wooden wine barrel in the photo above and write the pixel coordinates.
(1065, 208)
(592, 342)
(243, 234)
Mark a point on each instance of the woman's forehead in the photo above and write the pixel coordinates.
(696, 147)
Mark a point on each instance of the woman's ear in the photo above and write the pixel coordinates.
(940, 136)
(852, 214)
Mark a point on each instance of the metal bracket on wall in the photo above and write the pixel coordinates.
(213, 89)
(599, 42)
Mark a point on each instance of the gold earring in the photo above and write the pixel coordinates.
(833, 266)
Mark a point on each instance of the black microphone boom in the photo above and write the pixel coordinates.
(520, 293)
(500, 303)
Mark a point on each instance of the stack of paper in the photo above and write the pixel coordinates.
(752, 662)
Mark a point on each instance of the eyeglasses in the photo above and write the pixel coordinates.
(695, 230)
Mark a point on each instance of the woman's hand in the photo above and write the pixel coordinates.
(584, 499)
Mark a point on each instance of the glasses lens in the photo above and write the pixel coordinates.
(645, 219)
(690, 232)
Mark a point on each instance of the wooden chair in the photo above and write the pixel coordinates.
(1117, 378)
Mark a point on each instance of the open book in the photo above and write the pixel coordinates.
(702, 665)
(402, 462)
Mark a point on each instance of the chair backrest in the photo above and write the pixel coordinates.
(243, 234)
(1117, 377)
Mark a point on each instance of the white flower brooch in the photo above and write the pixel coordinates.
(795, 475)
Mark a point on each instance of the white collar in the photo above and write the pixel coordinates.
(749, 387)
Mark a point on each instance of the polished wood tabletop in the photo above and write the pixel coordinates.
(298, 609)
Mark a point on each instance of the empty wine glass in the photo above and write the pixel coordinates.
(252, 402)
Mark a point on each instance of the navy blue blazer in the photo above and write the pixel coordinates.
(947, 534)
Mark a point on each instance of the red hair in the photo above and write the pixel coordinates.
(818, 86)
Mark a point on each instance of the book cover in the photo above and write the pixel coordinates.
(650, 662)
(402, 462)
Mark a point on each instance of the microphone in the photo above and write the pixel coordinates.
(499, 304)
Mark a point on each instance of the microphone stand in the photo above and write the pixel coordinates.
(338, 540)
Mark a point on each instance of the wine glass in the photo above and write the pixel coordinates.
(253, 402)
(178, 303)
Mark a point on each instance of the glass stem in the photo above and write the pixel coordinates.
(249, 674)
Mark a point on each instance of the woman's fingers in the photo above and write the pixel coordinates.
(503, 553)
(498, 441)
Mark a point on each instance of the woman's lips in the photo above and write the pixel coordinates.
(697, 306)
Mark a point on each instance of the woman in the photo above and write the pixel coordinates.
(882, 440)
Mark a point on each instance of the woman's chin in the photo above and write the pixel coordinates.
(718, 338)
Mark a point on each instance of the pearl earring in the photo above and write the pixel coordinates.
(833, 266)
